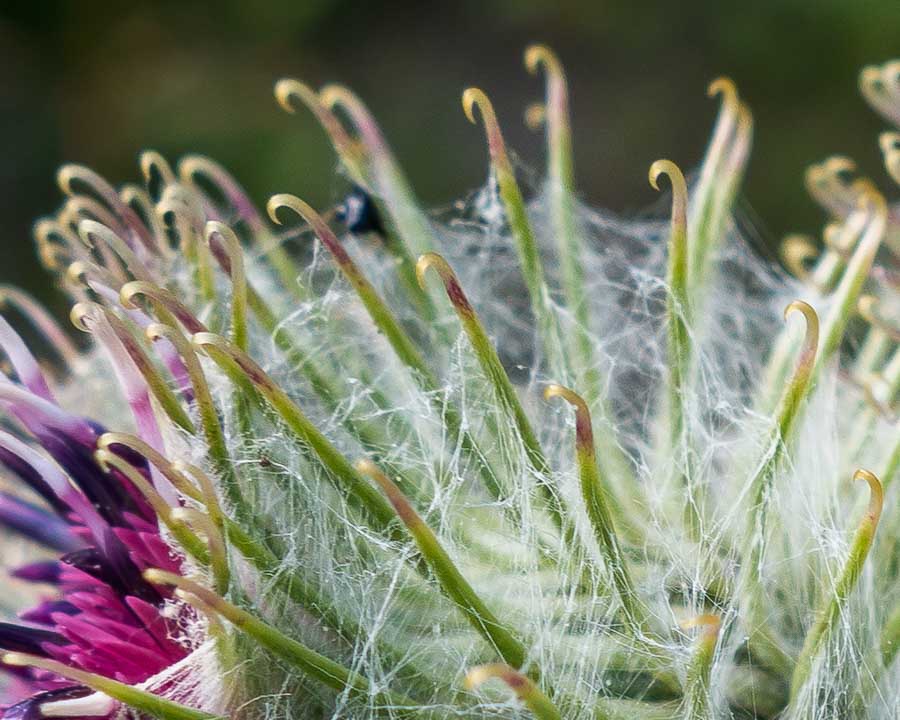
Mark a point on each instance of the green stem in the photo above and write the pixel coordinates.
(697, 705)
(750, 580)
(596, 503)
(209, 417)
(451, 580)
(135, 698)
(386, 322)
(496, 374)
(833, 603)
(520, 225)
(327, 671)
(237, 364)
(526, 690)
(160, 389)
(563, 205)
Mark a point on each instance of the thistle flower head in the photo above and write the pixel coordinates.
(314, 464)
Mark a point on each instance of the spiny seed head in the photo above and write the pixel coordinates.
(292, 484)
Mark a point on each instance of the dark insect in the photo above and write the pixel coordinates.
(359, 213)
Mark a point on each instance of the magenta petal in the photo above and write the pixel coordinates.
(156, 625)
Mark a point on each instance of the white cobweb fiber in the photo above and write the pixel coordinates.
(410, 637)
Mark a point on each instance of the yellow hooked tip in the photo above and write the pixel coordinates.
(570, 396)
(478, 676)
(81, 313)
(889, 142)
(68, 174)
(704, 621)
(537, 55)
(156, 168)
(158, 331)
(797, 252)
(131, 290)
(287, 89)
(811, 336)
(725, 87)
(230, 242)
(333, 96)
(671, 170)
(432, 260)
(292, 202)
(679, 190)
(805, 308)
(76, 273)
(876, 493)
(475, 96)
(365, 466)
(16, 659)
(838, 164)
(155, 576)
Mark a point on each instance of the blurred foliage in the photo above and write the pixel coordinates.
(96, 83)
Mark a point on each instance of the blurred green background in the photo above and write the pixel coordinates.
(96, 83)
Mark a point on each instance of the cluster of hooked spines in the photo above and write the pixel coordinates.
(340, 495)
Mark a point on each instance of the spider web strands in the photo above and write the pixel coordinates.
(386, 322)
(880, 388)
(506, 393)
(554, 114)
(880, 659)
(526, 244)
(312, 560)
(290, 583)
(193, 167)
(164, 303)
(867, 223)
(326, 671)
(371, 165)
(243, 369)
(328, 387)
(451, 580)
(835, 599)
(749, 582)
